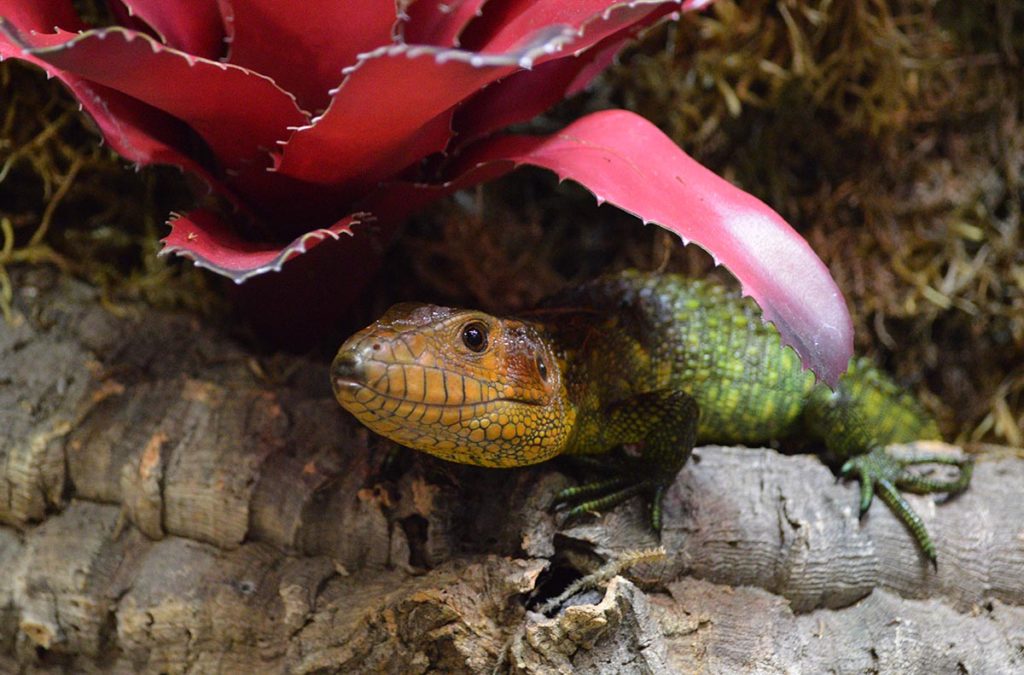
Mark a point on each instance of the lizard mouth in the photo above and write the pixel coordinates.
(349, 388)
(347, 384)
(349, 379)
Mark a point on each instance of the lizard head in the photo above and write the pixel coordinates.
(460, 384)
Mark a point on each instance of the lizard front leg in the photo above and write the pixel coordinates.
(664, 426)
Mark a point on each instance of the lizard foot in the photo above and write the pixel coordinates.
(880, 472)
(602, 495)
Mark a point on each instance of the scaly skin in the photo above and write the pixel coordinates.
(631, 359)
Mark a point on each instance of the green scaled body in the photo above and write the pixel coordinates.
(646, 333)
(649, 356)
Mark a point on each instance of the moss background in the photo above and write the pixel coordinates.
(890, 133)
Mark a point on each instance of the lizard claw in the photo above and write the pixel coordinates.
(603, 495)
(880, 472)
(865, 473)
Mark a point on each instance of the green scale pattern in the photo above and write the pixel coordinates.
(658, 360)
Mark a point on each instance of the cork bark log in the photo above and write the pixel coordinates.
(170, 502)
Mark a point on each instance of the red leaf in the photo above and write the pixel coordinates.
(305, 46)
(525, 94)
(504, 25)
(212, 243)
(240, 114)
(41, 15)
(625, 160)
(438, 22)
(411, 91)
(192, 26)
(286, 207)
(413, 121)
(137, 131)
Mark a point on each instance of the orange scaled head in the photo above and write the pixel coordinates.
(460, 384)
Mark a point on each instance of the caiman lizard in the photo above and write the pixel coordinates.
(654, 363)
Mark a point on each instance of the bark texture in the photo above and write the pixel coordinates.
(170, 502)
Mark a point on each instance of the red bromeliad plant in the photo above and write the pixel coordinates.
(312, 118)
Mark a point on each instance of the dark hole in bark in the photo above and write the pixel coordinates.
(551, 583)
(415, 527)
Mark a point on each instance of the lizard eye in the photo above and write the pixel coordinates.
(542, 369)
(474, 336)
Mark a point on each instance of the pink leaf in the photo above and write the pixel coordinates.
(305, 46)
(625, 160)
(205, 238)
(205, 94)
(192, 26)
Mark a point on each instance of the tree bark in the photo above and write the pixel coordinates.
(171, 502)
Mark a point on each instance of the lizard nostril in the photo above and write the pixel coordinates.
(347, 369)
